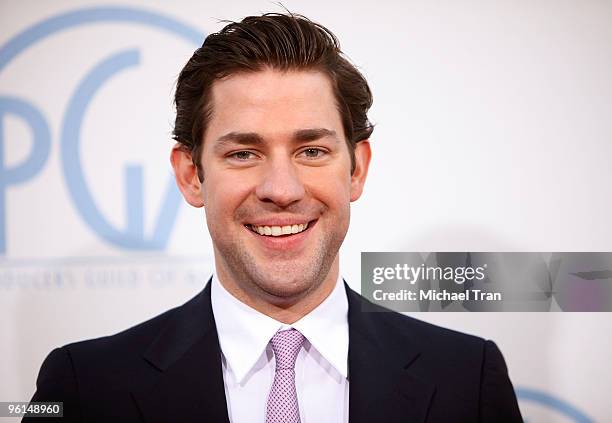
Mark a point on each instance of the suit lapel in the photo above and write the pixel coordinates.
(188, 385)
(383, 368)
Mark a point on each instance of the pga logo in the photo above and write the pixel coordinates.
(26, 108)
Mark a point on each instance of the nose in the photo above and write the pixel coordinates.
(280, 183)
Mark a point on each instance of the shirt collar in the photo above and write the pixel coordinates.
(244, 332)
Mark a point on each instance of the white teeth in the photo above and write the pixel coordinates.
(280, 230)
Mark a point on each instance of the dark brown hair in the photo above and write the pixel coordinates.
(279, 41)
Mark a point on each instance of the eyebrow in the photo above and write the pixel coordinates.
(253, 138)
(314, 134)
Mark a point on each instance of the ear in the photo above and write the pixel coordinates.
(363, 154)
(186, 175)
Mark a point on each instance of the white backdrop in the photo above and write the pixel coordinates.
(493, 134)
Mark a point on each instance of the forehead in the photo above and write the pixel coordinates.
(272, 102)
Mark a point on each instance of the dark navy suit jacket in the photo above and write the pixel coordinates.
(168, 369)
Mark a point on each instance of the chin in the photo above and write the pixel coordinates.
(289, 283)
(284, 292)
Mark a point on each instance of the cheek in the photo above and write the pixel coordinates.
(332, 188)
(223, 195)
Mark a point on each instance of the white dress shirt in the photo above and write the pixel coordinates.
(321, 366)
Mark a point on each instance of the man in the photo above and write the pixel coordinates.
(272, 134)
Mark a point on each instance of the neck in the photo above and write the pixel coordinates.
(287, 310)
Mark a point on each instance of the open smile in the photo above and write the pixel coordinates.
(280, 231)
(276, 231)
(285, 237)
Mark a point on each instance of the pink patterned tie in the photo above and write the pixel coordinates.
(282, 402)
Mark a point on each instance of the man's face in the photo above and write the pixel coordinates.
(277, 181)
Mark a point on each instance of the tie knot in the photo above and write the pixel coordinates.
(286, 345)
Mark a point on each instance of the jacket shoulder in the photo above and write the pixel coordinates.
(469, 372)
(135, 338)
(431, 333)
(416, 331)
(97, 378)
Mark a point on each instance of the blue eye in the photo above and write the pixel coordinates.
(313, 153)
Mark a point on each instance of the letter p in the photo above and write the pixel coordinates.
(41, 144)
